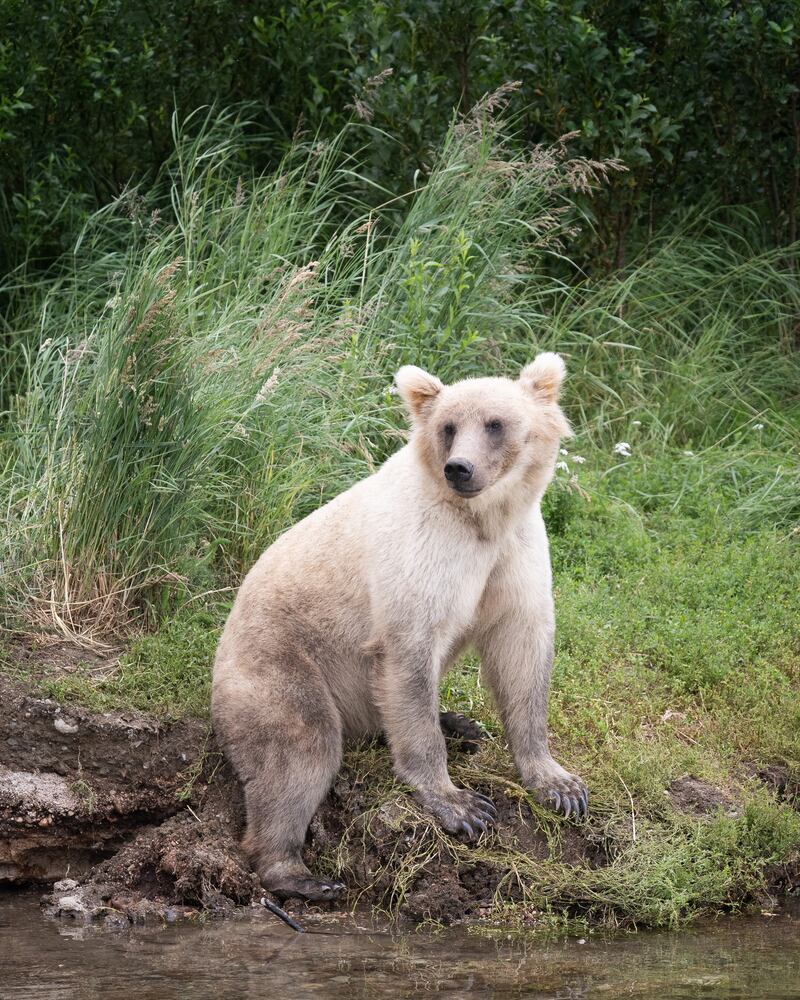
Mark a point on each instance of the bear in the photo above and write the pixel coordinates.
(347, 623)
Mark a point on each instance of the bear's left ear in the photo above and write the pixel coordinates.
(417, 388)
(542, 378)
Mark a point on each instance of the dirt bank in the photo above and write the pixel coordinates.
(75, 785)
(139, 819)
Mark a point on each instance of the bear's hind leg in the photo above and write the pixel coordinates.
(286, 751)
(281, 802)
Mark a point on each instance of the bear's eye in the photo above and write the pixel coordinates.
(494, 426)
(449, 430)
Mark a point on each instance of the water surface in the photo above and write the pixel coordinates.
(260, 957)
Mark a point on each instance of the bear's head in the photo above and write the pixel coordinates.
(488, 437)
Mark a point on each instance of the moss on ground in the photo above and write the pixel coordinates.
(678, 654)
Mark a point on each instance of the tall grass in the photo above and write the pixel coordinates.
(213, 360)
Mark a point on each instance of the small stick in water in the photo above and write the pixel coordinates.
(282, 914)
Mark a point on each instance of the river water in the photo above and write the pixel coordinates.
(259, 957)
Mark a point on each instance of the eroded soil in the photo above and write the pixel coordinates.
(139, 819)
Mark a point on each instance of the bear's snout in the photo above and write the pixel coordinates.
(458, 472)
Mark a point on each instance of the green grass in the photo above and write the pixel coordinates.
(193, 382)
(167, 672)
(677, 653)
(213, 361)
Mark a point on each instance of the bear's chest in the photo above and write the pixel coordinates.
(456, 590)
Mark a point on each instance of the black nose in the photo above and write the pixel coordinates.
(458, 471)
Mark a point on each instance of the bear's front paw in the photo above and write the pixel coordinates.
(460, 810)
(468, 732)
(561, 791)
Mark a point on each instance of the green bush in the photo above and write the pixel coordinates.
(698, 99)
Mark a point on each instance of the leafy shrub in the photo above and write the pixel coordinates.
(698, 99)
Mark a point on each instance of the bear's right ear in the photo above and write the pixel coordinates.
(417, 388)
(542, 378)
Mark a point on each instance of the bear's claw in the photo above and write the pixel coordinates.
(313, 889)
(461, 811)
(565, 794)
(466, 730)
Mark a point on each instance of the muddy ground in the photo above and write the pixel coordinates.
(137, 819)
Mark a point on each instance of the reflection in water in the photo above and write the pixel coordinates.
(260, 957)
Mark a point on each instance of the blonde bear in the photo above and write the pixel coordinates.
(347, 624)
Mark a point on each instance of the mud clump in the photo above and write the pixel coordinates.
(184, 866)
(128, 807)
(779, 780)
(695, 797)
(76, 785)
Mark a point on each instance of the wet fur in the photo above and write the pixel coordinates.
(347, 623)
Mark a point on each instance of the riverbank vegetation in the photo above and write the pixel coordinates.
(213, 359)
(699, 99)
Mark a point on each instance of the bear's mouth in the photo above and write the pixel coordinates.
(465, 491)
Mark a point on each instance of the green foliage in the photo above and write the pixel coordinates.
(213, 361)
(693, 867)
(167, 672)
(689, 565)
(698, 99)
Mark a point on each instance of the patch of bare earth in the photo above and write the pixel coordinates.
(138, 819)
(696, 797)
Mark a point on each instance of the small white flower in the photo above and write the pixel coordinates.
(563, 451)
(579, 459)
(636, 423)
(563, 466)
(689, 454)
(622, 448)
(758, 427)
(46, 343)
